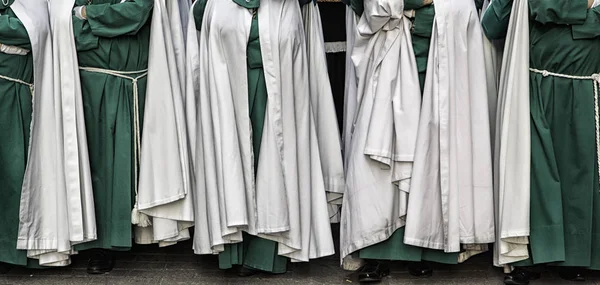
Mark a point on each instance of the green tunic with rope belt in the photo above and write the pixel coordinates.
(15, 120)
(115, 37)
(565, 196)
(253, 252)
(394, 248)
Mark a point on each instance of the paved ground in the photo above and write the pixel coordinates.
(148, 265)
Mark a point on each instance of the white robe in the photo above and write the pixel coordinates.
(512, 155)
(451, 195)
(323, 108)
(164, 177)
(349, 263)
(351, 84)
(57, 208)
(165, 167)
(286, 203)
(384, 129)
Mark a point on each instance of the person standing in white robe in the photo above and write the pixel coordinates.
(451, 194)
(380, 146)
(259, 190)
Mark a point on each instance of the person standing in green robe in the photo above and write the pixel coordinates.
(16, 79)
(112, 39)
(254, 254)
(565, 194)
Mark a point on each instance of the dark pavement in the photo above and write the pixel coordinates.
(148, 265)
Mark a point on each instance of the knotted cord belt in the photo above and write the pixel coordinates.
(136, 121)
(19, 81)
(595, 78)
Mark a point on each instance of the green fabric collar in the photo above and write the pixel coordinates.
(248, 4)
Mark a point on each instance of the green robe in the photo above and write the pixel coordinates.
(15, 120)
(115, 37)
(565, 196)
(254, 252)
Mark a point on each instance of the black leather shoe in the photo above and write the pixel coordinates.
(420, 269)
(572, 275)
(5, 267)
(520, 276)
(373, 271)
(100, 262)
(246, 272)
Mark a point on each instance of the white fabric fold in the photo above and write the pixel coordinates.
(57, 180)
(512, 154)
(323, 107)
(382, 129)
(165, 178)
(451, 195)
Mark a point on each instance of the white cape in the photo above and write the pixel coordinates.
(351, 84)
(451, 195)
(57, 208)
(165, 168)
(323, 108)
(512, 155)
(348, 262)
(384, 128)
(286, 203)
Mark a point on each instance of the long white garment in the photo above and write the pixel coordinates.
(512, 154)
(451, 195)
(380, 156)
(321, 98)
(348, 262)
(286, 202)
(57, 207)
(165, 167)
(351, 84)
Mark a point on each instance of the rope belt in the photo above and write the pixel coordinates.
(595, 78)
(19, 81)
(136, 126)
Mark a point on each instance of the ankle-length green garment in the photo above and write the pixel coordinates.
(254, 252)
(565, 196)
(115, 37)
(15, 120)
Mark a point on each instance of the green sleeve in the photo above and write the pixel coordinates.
(199, 13)
(558, 11)
(591, 28)
(113, 20)
(412, 4)
(84, 37)
(12, 31)
(423, 23)
(496, 17)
